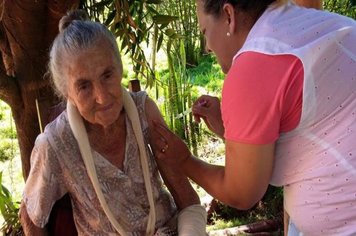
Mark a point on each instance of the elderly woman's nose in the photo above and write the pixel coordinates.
(101, 93)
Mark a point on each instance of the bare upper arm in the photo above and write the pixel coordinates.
(178, 184)
(248, 170)
(152, 112)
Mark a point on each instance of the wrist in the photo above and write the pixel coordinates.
(185, 164)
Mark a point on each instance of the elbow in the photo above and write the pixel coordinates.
(28, 226)
(243, 202)
(243, 205)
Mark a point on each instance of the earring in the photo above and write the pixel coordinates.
(228, 34)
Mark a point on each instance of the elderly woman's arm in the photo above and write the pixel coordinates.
(240, 183)
(178, 184)
(29, 228)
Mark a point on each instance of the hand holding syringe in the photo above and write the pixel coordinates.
(207, 108)
(189, 110)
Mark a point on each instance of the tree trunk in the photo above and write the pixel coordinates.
(318, 4)
(28, 29)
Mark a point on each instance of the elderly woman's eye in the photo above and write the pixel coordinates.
(108, 75)
(83, 86)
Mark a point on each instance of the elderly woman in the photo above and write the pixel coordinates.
(97, 150)
(287, 112)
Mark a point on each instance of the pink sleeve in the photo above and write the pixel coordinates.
(262, 97)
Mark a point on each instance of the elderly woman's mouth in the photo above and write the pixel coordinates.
(105, 108)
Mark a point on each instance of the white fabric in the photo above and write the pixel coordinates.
(316, 162)
(292, 230)
(192, 221)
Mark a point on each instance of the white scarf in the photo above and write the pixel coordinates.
(77, 125)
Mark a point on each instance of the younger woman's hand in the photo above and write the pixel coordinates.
(208, 108)
(167, 146)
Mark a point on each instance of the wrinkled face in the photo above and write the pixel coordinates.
(214, 30)
(94, 78)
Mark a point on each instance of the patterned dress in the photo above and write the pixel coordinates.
(57, 168)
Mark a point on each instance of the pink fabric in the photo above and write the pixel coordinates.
(260, 103)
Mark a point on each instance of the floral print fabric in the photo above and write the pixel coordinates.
(57, 168)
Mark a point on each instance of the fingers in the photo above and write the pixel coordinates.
(160, 138)
(199, 103)
(167, 146)
(202, 100)
(200, 111)
(202, 107)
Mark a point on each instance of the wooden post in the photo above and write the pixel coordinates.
(317, 4)
(134, 85)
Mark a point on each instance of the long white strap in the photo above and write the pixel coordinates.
(77, 125)
(131, 109)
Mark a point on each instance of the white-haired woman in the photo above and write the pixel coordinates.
(97, 150)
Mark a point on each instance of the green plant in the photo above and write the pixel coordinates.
(6, 149)
(207, 75)
(343, 7)
(10, 212)
(8, 136)
(224, 223)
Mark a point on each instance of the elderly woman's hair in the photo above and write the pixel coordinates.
(215, 7)
(76, 34)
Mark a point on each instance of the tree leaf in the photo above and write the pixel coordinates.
(159, 43)
(163, 26)
(163, 19)
(170, 32)
(100, 4)
(153, 1)
(111, 16)
(152, 10)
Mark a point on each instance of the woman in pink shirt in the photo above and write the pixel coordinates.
(287, 113)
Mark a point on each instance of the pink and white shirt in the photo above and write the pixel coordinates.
(315, 156)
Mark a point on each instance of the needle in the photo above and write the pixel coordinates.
(189, 110)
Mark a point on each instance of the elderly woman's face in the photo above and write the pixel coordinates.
(94, 78)
(215, 31)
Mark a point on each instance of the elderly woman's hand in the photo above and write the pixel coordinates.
(167, 146)
(208, 108)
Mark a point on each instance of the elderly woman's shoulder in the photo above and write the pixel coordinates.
(138, 94)
(60, 122)
(139, 98)
(58, 128)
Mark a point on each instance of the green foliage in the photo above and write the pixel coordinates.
(186, 26)
(8, 135)
(10, 212)
(132, 23)
(6, 150)
(270, 207)
(223, 223)
(207, 75)
(343, 7)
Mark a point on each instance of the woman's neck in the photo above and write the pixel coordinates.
(107, 131)
(110, 141)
